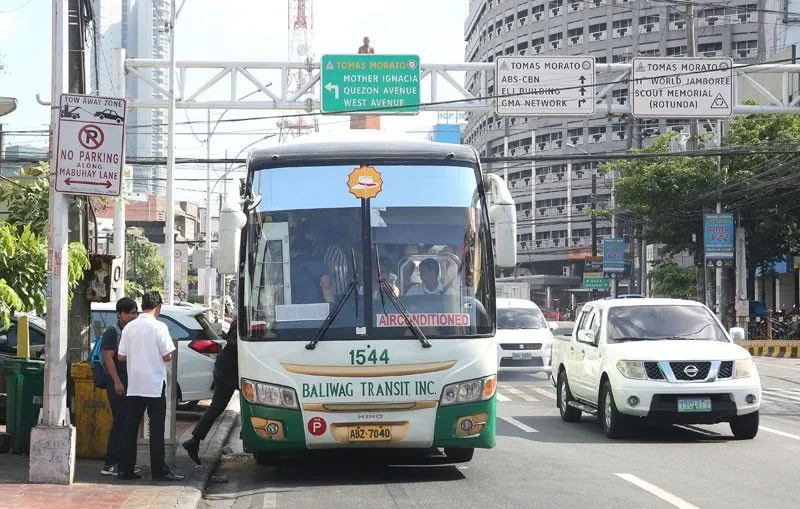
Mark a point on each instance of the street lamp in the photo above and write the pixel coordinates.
(208, 194)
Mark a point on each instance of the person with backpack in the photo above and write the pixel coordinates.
(116, 381)
(226, 381)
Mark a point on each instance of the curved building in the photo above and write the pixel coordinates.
(553, 197)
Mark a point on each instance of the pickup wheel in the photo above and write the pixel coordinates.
(563, 397)
(612, 422)
(745, 427)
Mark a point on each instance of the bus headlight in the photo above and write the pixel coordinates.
(479, 389)
(260, 393)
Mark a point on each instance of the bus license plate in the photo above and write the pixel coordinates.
(694, 405)
(522, 355)
(370, 433)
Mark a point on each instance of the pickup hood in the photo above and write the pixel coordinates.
(676, 350)
(524, 336)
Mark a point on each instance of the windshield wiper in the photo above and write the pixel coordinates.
(385, 287)
(351, 287)
(633, 338)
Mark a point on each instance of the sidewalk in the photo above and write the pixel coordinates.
(96, 491)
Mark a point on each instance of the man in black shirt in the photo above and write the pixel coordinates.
(116, 381)
(226, 381)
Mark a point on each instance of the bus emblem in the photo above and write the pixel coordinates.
(365, 182)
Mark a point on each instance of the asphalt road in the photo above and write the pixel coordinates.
(543, 462)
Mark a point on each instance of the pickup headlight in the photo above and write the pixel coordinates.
(632, 369)
(743, 368)
(479, 389)
(260, 393)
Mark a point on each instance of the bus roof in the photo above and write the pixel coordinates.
(361, 147)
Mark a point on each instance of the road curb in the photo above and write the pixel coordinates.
(227, 423)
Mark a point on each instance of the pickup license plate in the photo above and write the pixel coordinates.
(369, 433)
(522, 355)
(694, 405)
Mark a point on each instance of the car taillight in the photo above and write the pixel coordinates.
(205, 346)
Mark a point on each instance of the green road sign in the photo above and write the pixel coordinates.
(370, 84)
(595, 283)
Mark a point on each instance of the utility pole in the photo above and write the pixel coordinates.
(52, 454)
(208, 214)
(170, 227)
(742, 302)
(593, 218)
(718, 270)
(119, 202)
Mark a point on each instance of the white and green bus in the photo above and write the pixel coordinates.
(366, 298)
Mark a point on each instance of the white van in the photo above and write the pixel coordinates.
(524, 337)
(197, 341)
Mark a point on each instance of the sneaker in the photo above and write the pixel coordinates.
(109, 470)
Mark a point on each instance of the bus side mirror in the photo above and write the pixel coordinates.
(231, 222)
(503, 214)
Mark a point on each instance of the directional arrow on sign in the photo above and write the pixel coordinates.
(105, 184)
(582, 90)
(582, 79)
(580, 102)
(332, 87)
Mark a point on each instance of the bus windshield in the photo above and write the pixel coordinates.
(312, 245)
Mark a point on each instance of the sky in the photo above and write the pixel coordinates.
(238, 30)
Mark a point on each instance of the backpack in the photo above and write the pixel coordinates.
(96, 360)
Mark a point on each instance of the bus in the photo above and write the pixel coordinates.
(366, 299)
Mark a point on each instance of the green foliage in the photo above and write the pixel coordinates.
(23, 243)
(9, 302)
(662, 190)
(145, 267)
(23, 268)
(28, 202)
(133, 290)
(668, 279)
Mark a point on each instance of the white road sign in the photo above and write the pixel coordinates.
(551, 86)
(91, 137)
(682, 88)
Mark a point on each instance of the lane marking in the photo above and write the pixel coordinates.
(778, 432)
(521, 425)
(772, 364)
(270, 501)
(655, 490)
(400, 496)
(779, 398)
(544, 392)
(519, 393)
(502, 397)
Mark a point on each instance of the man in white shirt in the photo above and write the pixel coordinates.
(146, 347)
(429, 275)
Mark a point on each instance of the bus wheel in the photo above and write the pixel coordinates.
(459, 455)
(265, 458)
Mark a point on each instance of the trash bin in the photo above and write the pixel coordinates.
(25, 385)
(93, 417)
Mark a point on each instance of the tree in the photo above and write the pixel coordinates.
(146, 267)
(662, 190)
(668, 279)
(23, 246)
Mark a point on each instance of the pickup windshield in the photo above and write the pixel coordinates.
(659, 322)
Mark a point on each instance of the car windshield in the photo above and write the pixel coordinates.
(520, 318)
(657, 322)
(309, 241)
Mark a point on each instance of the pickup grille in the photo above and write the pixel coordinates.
(725, 369)
(653, 371)
(521, 346)
(679, 369)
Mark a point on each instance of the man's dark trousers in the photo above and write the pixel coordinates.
(157, 413)
(115, 437)
(223, 391)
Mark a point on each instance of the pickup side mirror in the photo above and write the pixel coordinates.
(552, 325)
(737, 334)
(586, 336)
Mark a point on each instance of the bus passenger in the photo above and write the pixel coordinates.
(311, 281)
(429, 277)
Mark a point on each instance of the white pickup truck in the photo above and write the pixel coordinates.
(662, 361)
